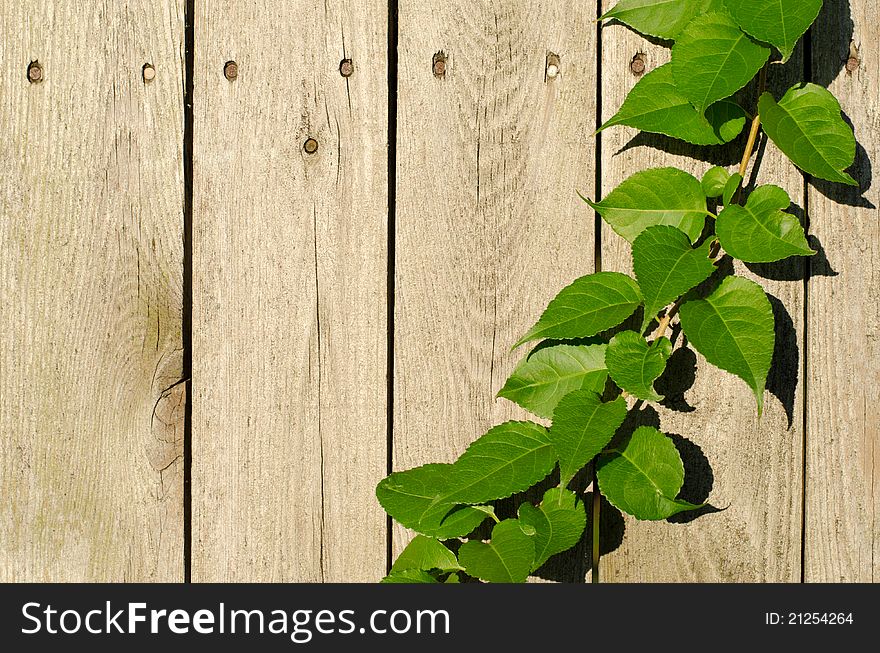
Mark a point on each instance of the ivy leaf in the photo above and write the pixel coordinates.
(713, 58)
(714, 181)
(760, 232)
(415, 499)
(409, 577)
(781, 23)
(666, 267)
(731, 187)
(541, 379)
(657, 196)
(506, 558)
(509, 458)
(655, 105)
(807, 126)
(661, 18)
(558, 522)
(634, 365)
(644, 475)
(733, 329)
(586, 307)
(582, 426)
(425, 553)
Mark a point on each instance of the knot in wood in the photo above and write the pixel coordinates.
(35, 72)
(230, 70)
(439, 64)
(637, 65)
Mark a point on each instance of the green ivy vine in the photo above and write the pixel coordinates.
(593, 351)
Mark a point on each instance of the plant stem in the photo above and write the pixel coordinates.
(597, 500)
(753, 133)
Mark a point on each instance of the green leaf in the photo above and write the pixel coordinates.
(643, 476)
(415, 499)
(558, 522)
(582, 426)
(655, 105)
(760, 232)
(634, 365)
(509, 458)
(541, 379)
(586, 307)
(807, 126)
(452, 578)
(733, 329)
(666, 267)
(780, 22)
(713, 58)
(507, 558)
(657, 196)
(661, 18)
(425, 553)
(409, 577)
(731, 187)
(714, 181)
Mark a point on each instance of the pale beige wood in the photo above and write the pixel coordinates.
(289, 292)
(756, 463)
(91, 231)
(489, 225)
(843, 364)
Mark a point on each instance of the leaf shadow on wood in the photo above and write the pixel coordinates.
(835, 18)
(678, 377)
(860, 170)
(698, 479)
(716, 155)
(782, 380)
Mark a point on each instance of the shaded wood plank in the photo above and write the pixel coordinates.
(842, 542)
(91, 230)
(489, 226)
(289, 292)
(752, 466)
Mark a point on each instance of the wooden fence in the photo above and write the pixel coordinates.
(215, 339)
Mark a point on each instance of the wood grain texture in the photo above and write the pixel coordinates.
(489, 225)
(752, 466)
(91, 230)
(842, 541)
(289, 292)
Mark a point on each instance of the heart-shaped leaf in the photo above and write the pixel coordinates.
(661, 18)
(807, 126)
(655, 105)
(734, 329)
(714, 181)
(507, 558)
(760, 232)
(666, 267)
(582, 425)
(657, 196)
(558, 522)
(425, 553)
(415, 499)
(586, 307)
(644, 475)
(713, 58)
(542, 378)
(781, 22)
(634, 365)
(509, 458)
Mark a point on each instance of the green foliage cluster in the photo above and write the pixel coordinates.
(596, 349)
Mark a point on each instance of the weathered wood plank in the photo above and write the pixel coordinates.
(755, 464)
(489, 226)
(843, 355)
(91, 230)
(289, 292)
